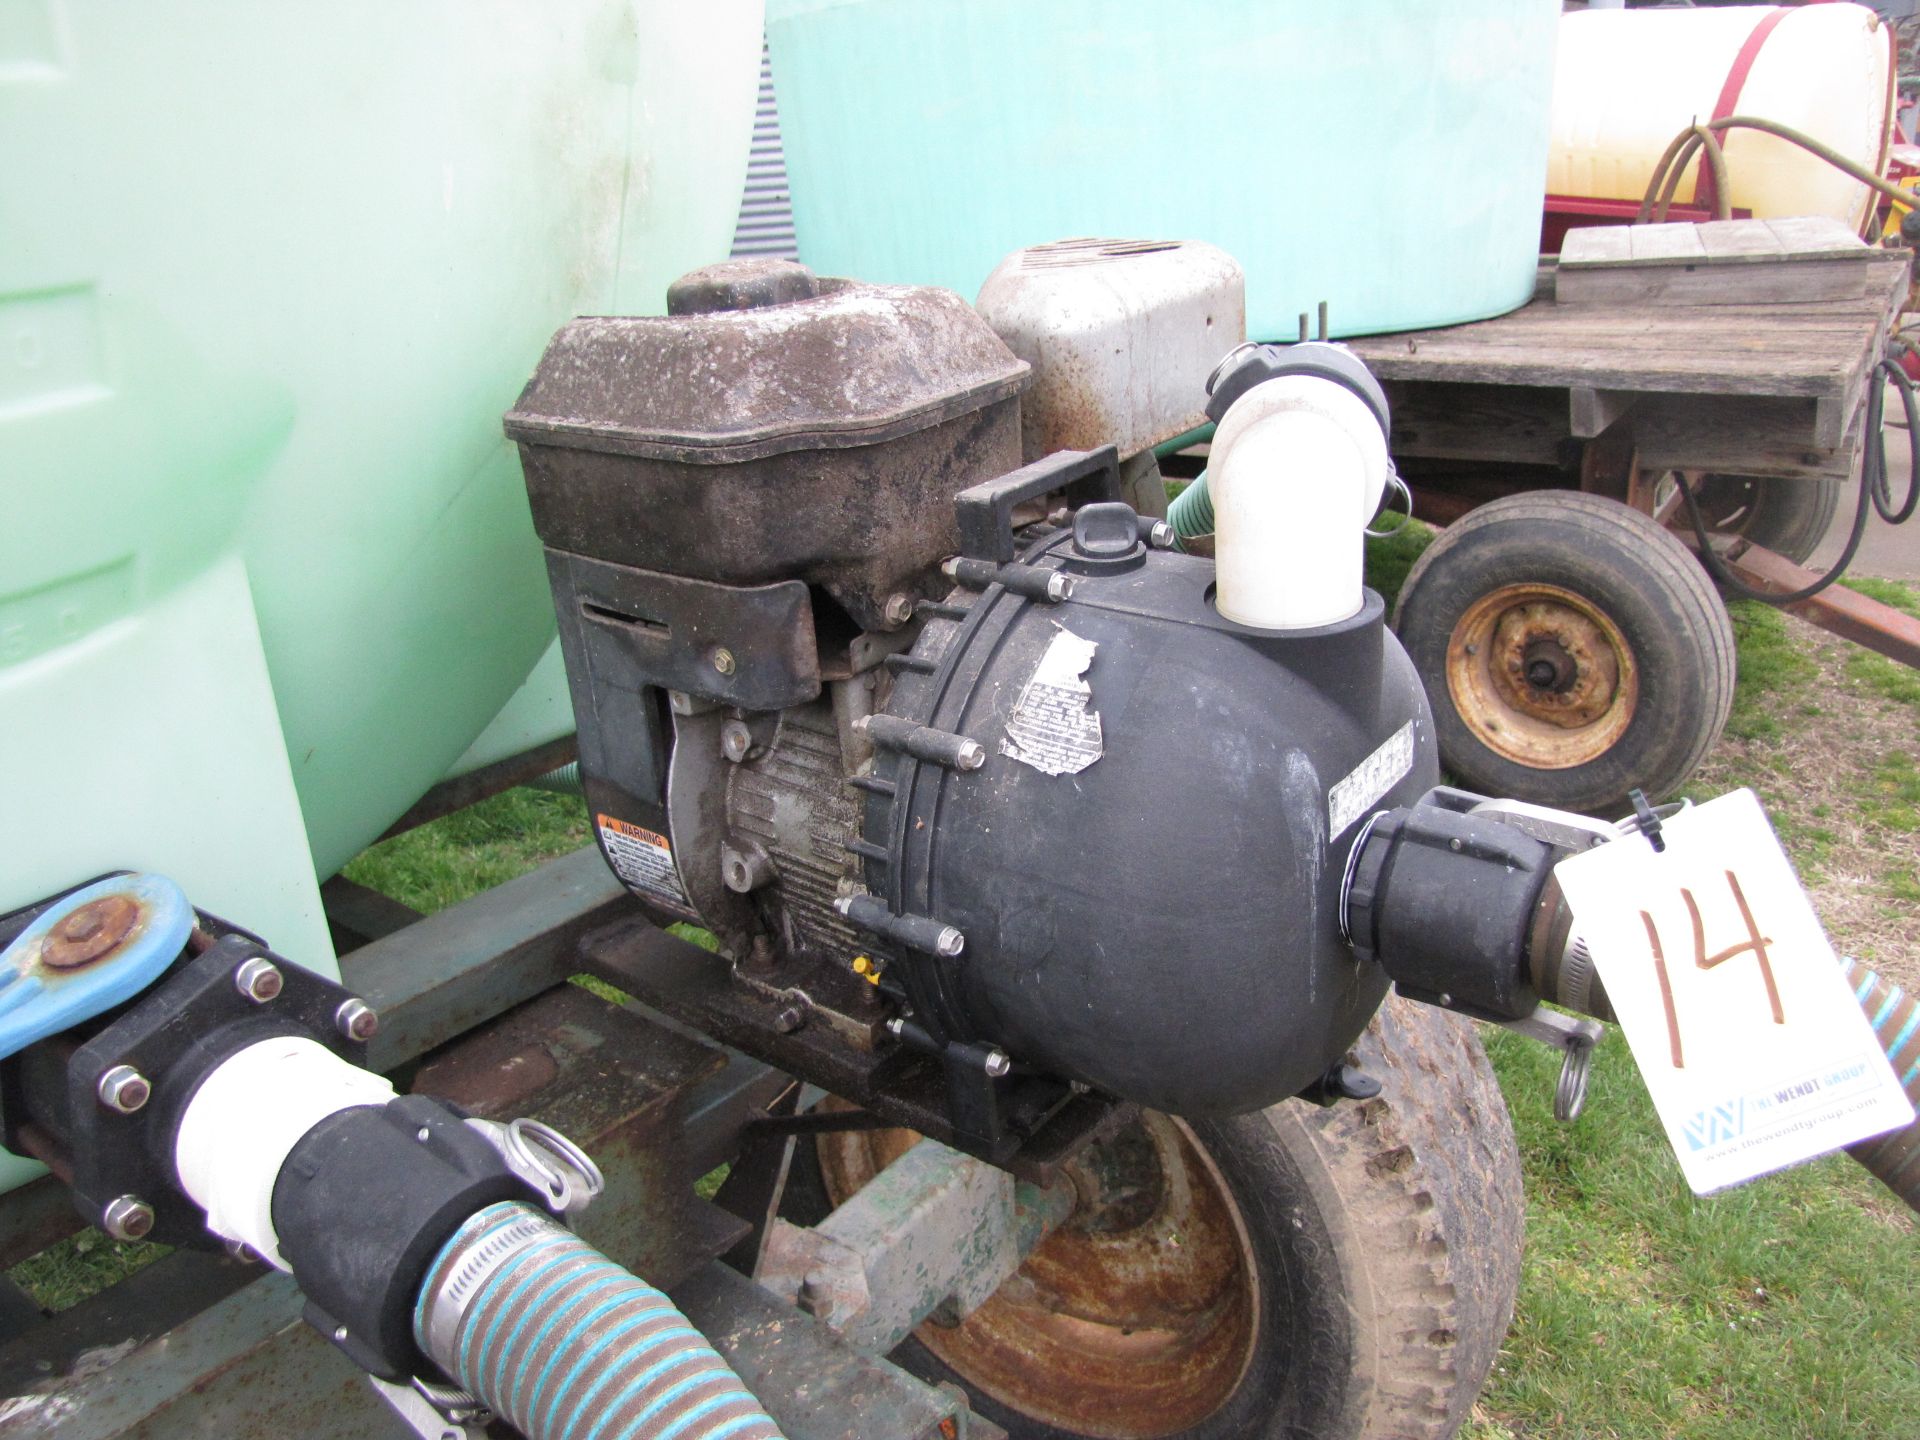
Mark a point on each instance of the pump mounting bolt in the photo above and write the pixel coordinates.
(1059, 587)
(899, 609)
(789, 1020)
(997, 1064)
(950, 943)
(736, 741)
(127, 1218)
(124, 1089)
(259, 979)
(722, 659)
(357, 1020)
(1160, 537)
(972, 755)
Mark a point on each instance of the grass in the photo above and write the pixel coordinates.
(66, 1273)
(1782, 1308)
(436, 865)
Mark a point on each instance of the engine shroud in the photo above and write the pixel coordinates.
(1163, 923)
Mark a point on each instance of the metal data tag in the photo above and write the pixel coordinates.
(1755, 1051)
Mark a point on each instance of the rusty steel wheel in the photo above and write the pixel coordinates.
(1572, 648)
(1134, 1319)
(1344, 1274)
(1541, 676)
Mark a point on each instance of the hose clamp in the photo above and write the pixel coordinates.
(478, 1248)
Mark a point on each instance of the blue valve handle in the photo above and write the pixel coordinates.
(38, 999)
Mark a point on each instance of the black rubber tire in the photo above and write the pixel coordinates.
(1387, 1235)
(1789, 517)
(1627, 567)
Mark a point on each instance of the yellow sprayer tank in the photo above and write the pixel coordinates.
(1627, 81)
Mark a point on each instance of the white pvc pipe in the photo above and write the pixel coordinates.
(1298, 467)
(245, 1119)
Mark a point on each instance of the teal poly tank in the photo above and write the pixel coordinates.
(269, 277)
(1384, 156)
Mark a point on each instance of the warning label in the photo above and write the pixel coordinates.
(1052, 727)
(643, 860)
(1371, 779)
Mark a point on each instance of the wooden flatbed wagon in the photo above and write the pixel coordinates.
(1584, 649)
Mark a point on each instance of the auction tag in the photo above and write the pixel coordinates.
(1756, 1053)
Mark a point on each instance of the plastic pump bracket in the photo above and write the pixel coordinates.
(985, 511)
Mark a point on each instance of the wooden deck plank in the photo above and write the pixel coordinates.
(1738, 239)
(1676, 243)
(1818, 350)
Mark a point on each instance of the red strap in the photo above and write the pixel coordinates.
(1729, 100)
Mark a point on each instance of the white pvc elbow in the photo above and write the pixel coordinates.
(1297, 468)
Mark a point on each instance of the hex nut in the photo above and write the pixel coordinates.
(259, 979)
(123, 1089)
(736, 741)
(997, 1064)
(127, 1218)
(357, 1020)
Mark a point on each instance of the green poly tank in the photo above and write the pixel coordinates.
(1387, 157)
(270, 274)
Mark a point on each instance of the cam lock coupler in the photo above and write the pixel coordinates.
(1455, 896)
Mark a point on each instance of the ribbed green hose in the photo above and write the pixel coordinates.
(561, 780)
(1191, 513)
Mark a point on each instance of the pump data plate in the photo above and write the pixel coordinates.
(1755, 1051)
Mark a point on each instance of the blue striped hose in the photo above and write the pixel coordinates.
(566, 1345)
(1893, 1158)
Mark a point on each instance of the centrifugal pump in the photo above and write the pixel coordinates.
(958, 755)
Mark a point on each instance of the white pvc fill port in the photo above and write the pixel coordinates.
(245, 1119)
(1297, 468)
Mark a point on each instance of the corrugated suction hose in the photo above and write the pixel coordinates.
(567, 1345)
(1893, 1158)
